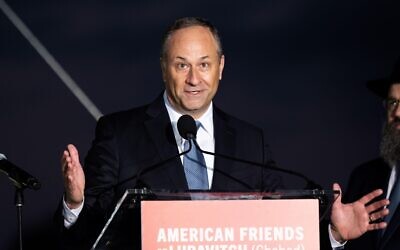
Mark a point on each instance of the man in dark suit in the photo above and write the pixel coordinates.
(383, 172)
(128, 143)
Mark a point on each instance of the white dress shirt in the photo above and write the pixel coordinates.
(205, 135)
(392, 180)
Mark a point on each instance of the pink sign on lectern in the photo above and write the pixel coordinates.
(291, 224)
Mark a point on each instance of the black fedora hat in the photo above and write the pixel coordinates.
(381, 86)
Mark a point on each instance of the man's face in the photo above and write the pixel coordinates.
(390, 143)
(191, 70)
(392, 106)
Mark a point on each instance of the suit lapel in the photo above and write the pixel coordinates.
(161, 133)
(391, 228)
(224, 144)
(395, 221)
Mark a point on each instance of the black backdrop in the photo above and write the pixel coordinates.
(295, 68)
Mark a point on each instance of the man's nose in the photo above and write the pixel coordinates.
(193, 77)
(396, 111)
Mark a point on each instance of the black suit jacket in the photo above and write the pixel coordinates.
(364, 179)
(132, 141)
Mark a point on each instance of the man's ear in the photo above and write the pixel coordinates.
(221, 66)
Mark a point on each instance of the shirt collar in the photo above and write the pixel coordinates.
(206, 119)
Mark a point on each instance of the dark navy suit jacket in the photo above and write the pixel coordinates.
(130, 141)
(364, 179)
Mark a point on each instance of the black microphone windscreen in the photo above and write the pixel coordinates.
(18, 175)
(187, 127)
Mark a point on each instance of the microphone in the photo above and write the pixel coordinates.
(188, 130)
(187, 127)
(17, 175)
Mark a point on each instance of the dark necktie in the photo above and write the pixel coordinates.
(195, 167)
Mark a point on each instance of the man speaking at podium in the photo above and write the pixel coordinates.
(128, 142)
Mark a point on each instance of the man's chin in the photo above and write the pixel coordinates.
(193, 106)
(195, 110)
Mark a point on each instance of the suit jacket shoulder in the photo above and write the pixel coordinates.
(367, 177)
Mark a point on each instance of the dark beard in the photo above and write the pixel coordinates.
(390, 143)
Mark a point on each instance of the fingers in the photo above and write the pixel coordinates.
(338, 197)
(70, 155)
(375, 226)
(378, 215)
(378, 205)
(370, 196)
(64, 156)
(73, 152)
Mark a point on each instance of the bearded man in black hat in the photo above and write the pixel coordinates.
(383, 172)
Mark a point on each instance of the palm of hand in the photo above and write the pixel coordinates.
(351, 220)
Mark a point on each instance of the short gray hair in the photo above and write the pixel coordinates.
(186, 22)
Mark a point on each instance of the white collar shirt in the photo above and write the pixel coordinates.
(392, 180)
(205, 135)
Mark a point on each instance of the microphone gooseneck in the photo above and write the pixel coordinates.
(187, 128)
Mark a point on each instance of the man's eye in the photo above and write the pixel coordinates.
(391, 102)
(204, 65)
(182, 66)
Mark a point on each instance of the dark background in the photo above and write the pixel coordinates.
(295, 68)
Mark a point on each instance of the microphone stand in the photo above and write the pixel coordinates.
(21, 180)
(19, 202)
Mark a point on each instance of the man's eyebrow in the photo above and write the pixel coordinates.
(180, 58)
(184, 59)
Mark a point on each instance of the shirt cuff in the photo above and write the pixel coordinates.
(336, 245)
(71, 215)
